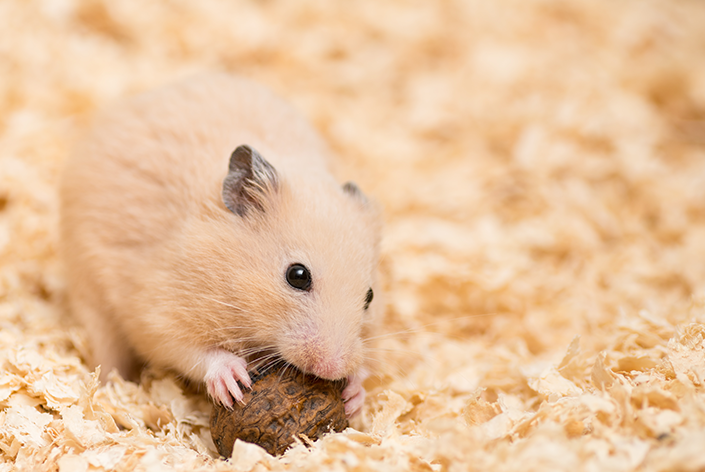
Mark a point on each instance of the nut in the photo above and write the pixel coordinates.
(284, 403)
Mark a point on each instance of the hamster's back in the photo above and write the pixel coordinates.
(150, 163)
(165, 152)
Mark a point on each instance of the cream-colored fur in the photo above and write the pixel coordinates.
(159, 270)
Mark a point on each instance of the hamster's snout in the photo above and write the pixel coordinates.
(330, 368)
(321, 356)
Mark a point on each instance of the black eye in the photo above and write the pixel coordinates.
(298, 277)
(368, 298)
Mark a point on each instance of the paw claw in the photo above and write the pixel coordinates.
(354, 393)
(224, 371)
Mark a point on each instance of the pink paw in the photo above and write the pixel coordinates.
(354, 393)
(223, 371)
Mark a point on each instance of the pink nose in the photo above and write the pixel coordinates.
(331, 368)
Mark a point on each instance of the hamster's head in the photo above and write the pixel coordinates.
(304, 274)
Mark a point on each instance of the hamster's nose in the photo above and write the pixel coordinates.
(319, 355)
(331, 368)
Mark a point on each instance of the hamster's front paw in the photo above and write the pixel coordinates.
(224, 369)
(354, 392)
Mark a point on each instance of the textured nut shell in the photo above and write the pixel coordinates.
(283, 403)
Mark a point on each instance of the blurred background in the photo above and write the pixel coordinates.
(541, 165)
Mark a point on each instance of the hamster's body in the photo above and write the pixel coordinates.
(168, 264)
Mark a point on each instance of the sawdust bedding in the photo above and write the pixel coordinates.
(542, 169)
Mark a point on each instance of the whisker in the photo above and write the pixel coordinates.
(222, 303)
(283, 371)
(422, 327)
(273, 360)
(383, 363)
(269, 359)
(408, 351)
(251, 350)
(225, 328)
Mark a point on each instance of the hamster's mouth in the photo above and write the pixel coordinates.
(261, 366)
(318, 355)
(258, 370)
(264, 359)
(329, 368)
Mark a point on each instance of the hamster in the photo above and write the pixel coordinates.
(201, 229)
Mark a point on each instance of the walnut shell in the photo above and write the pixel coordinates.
(283, 403)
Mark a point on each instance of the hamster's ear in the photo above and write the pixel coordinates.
(249, 181)
(354, 191)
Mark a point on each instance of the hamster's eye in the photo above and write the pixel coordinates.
(299, 277)
(368, 298)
